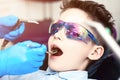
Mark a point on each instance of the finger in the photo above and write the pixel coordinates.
(39, 50)
(30, 44)
(34, 57)
(13, 33)
(10, 38)
(9, 20)
(18, 31)
(36, 64)
(21, 28)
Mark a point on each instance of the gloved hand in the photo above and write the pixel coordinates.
(6, 25)
(21, 58)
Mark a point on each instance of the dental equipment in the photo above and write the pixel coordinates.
(107, 38)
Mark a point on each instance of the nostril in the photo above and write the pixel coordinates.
(55, 37)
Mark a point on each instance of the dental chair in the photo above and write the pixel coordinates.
(109, 69)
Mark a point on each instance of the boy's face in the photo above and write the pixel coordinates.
(73, 53)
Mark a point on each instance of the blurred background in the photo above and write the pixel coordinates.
(42, 11)
(45, 11)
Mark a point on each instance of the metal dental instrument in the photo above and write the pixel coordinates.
(5, 42)
(107, 38)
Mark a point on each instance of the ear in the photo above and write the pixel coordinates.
(96, 53)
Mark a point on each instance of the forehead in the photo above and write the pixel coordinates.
(76, 16)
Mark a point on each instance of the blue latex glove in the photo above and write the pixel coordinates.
(21, 58)
(6, 25)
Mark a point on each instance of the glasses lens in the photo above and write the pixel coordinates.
(54, 28)
(77, 32)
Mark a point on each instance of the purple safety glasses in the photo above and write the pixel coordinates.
(73, 31)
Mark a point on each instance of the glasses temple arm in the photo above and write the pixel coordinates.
(102, 32)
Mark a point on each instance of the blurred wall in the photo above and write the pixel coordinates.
(113, 7)
(36, 10)
(30, 10)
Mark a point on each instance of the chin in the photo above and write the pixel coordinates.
(56, 68)
(60, 68)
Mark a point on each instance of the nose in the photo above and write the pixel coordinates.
(55, 37)
(59, 35)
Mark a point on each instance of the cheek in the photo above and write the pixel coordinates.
(50, 41)
(74, 46)
(76, 50)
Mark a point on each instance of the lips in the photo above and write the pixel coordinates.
(56, 49)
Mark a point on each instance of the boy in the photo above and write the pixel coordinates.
(73, 46)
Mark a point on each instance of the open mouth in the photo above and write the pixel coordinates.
(56, 51)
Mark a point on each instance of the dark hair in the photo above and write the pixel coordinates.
(97, 12)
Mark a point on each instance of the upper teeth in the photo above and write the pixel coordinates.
(52, 52)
